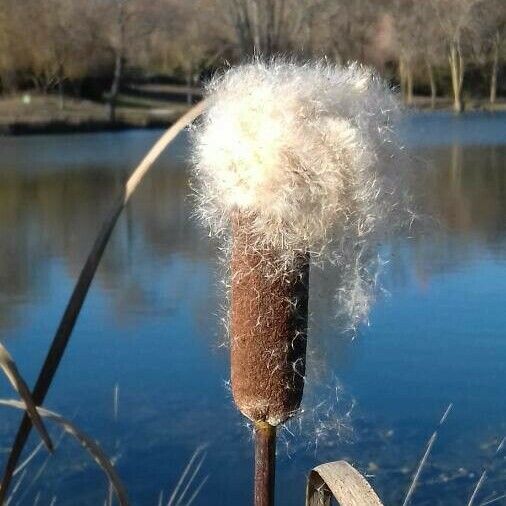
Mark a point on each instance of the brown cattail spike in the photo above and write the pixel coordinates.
(269, 310)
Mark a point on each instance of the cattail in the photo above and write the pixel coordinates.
(268, 326)
(292, 162)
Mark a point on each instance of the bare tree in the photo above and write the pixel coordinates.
(409, 32)
(71, 39)
(268, 27)
(53, 54)
(119, 46)
(351, 25)
(123, 22)
(57, 48)
(490, 43)
(433, 52)
(456, 21)
(418, 44)
(12, 54)
(188, 37)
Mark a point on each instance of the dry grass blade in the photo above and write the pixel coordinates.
(35, 475)
(11, 371)
(493, 500)
(86, 442)
(197, 491)
(116, 402)
(173, 498)
(423, 461)
(28, 459)
(69, 318)
(190, 481)
(16, 488)
(483, 476)
(477, 488)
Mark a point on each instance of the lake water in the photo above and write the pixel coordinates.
(151, 327)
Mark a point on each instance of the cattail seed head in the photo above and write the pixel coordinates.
(293, 162)
(306, 151)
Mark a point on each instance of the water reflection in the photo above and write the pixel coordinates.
(54, 215)
(150, 324)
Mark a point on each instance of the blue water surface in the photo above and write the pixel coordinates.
(150, 333)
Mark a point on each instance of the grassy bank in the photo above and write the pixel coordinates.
(446, 104)
(138, 107)
(148, 106)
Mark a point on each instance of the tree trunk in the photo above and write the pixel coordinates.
(495, 66)
(409, 84)
(433, 88)
(115, 86)
(402, 79)
(61, 95)
(189, 89)
(457, 72)
(255, 25)
(280, 23)
(119, 61)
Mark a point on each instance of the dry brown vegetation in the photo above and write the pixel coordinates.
(436, 47)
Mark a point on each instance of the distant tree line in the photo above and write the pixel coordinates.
(435, 47)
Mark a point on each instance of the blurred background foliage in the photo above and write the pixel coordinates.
(91, 48)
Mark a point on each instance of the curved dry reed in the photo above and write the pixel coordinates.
(85, 441)
(76, 301)
(11, 371)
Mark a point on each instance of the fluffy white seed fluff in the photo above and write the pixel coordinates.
(308, 152)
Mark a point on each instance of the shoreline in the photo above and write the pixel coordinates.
(32, 114)
(56, 126)
(88, 117)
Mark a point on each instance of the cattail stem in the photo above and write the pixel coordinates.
(265, 463)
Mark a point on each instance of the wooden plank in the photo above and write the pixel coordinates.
(341, 481)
